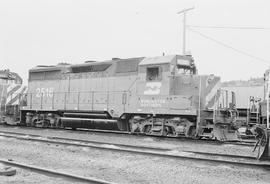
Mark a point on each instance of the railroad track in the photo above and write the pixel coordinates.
(246, 161)
(55, 173)
(124, 133)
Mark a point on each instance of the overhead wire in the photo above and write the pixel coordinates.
(230, 27)
(228, 46)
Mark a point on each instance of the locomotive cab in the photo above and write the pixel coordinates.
(156, 86)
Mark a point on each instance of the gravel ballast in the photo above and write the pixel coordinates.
(119, 167)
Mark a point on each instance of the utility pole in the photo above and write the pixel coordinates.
(267, 100)
(184, 11)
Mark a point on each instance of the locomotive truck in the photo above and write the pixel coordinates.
(160, 95)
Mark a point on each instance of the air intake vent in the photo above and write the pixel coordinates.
(89, 61)
(90, 68)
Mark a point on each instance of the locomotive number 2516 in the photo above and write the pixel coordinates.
(44, 92)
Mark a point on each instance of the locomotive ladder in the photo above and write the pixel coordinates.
(253, 111)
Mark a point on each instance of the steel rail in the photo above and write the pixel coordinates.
(2, 133)
(46, 171)
(170, 138)
(221, 155)
(245, 161)
(199, 141)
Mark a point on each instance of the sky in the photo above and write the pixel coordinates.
(47, 32)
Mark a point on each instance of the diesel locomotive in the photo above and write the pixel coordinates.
(160, 95)
(11, 95)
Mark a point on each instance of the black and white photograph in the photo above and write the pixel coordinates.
(134, 91)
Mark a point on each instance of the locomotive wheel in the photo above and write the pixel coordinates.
(169, 131)
(45, 123)
(33, 123)
(146, 129)
(192, 133)
(262, 141)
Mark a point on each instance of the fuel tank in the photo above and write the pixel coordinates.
(90, 123)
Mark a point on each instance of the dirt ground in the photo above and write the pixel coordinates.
(27, 177)
(121, 167)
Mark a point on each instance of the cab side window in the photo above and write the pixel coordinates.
(153, 73)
